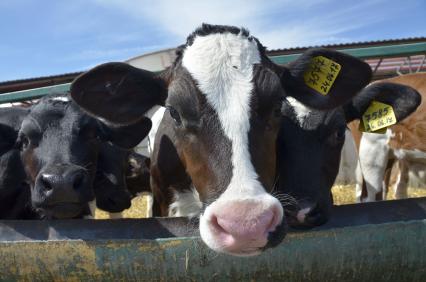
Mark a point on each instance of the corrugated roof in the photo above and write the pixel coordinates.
(35, 82)
(361, 44)
(49, 77)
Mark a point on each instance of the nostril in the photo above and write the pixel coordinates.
(216, 225)
(46, 184)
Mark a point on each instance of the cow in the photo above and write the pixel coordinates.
(14, 191)
(217, 138)
(404, 142)
(60, 148)
(310, 144)
(121, 175)
(138, 174)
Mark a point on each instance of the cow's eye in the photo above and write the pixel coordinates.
(175, 115)
(24, 142)
(340, 134)
(338, 137)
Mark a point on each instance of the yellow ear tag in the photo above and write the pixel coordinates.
(321, 74)
(378, 116)
(361, 128)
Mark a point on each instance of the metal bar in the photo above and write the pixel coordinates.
(33, 93)
(369, 52)
(379, 247)
(421, 64)
(152, 228)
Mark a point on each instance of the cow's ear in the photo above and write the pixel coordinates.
(403, 99)
(118, 92)
(340, 78)
(126, 136)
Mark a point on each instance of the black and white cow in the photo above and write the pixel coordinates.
(310, 144)
(121, 176)
(60, 147)
(218, 137)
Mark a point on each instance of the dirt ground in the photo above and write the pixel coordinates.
(137, 210)
(342, 195)
(345, 194)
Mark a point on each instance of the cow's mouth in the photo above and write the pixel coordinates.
(63, 210)
(305, 218)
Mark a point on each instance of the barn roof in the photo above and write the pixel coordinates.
(383, 67)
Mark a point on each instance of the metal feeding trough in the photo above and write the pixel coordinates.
(382, 241)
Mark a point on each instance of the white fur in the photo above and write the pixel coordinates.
(186, 204)
(348, 161)
(301, 110)
(373, 157)
(61, 98)
(156, 119)
(301, 215)
(222, 66)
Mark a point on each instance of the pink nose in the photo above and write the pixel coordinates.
(243, 226)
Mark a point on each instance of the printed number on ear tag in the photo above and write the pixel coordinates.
(377, 117)
(321, 74)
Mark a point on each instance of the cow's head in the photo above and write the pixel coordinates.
(310, 143)
(13, 187)
(60, 145)
(138, 174)
(110, 184)
(223, 97)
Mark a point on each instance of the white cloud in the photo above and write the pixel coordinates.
(278, 24)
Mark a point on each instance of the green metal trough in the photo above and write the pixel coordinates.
(382, 241)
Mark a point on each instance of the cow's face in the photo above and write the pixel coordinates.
(225, 107)
(138, 174)
(60, 145)
(310, 143)
(224, 99)
(110, 182)
(12, 185)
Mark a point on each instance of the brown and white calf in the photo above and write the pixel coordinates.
(404, 142)
(217, 139)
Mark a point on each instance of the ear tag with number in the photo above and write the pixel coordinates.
(361, 128)
(321, 74)
(377, 118)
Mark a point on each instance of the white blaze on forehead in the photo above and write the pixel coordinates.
(222, 66)
(301, 110)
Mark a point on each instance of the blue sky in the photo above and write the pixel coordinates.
(52, 37)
